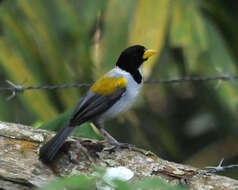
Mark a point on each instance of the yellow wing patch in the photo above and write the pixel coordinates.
(108, 85)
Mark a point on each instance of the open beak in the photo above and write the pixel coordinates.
(148, 53)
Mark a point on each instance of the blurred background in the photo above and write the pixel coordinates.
(76, 41)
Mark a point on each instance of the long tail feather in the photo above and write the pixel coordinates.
(49, 150)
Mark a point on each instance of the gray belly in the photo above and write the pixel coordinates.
(125, 103)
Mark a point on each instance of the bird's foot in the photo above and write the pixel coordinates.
(115, 144)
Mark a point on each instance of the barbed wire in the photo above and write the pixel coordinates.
(15, 89)
(19, 88)
(218, 168)
(192, 79)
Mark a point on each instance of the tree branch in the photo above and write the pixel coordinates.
(21, 169)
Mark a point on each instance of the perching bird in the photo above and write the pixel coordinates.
(111, 95)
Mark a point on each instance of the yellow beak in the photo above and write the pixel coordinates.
(148, 53)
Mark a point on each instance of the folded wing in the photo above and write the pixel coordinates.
(93, 105)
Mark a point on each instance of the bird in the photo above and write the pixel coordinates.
(111, 95)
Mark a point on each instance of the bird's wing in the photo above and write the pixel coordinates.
(101, 96)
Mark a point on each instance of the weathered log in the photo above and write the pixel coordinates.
(21, 169)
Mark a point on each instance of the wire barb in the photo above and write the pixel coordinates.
(15, 89)
(224, 77)
(219, 167)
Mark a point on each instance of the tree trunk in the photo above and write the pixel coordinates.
(21, 169)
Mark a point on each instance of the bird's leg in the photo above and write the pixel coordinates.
(112, 141)
(115, 144)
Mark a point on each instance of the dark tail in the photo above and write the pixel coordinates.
(49, 150)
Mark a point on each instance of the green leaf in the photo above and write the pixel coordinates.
(16, 70)
(116, 29)
(188, 30)
(203, 45)
(121, 185)
(74, 182)
(219, 59)
(84, 130)
(37, 18)
(149, 27)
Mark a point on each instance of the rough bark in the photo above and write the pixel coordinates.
(21, 169)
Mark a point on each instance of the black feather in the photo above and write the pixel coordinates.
(49, 150)
(131, 59)
(96, 105)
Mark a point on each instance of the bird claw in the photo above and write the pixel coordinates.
(130, 147)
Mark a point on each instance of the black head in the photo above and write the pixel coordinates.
(132, 58)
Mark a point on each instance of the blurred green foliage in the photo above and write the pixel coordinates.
(89, 183)
(57, 42)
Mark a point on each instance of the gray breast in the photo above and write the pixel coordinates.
(127, 100)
